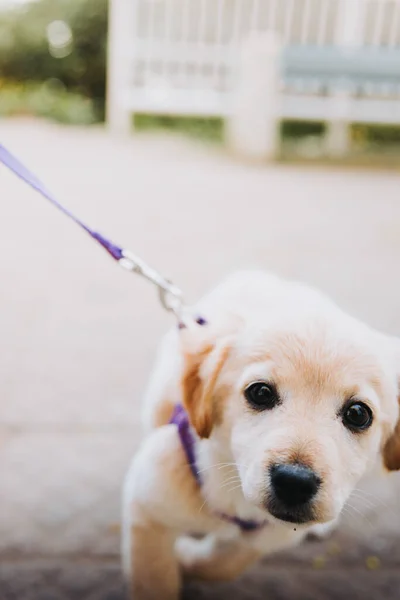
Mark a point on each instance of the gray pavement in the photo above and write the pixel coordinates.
(79, 335)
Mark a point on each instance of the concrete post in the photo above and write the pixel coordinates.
(338, 133)
(119, 60)
(252, 128)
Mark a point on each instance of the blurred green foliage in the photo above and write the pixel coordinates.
(46, 100)
(377, 135)
(25, 54)
(298, 129)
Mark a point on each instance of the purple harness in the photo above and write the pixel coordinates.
(181, 420)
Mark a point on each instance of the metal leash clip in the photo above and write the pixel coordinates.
(170, 295)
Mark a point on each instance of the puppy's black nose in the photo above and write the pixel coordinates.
(294, 484)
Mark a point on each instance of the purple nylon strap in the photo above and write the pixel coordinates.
(12, 163)
(181, 420)
(170, 295)
(179, 417)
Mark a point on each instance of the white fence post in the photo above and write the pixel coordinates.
(252, 128)
(121, 30)
(349, 34)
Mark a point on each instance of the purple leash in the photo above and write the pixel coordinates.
(171, 299)
(12, 163)
(170, 295)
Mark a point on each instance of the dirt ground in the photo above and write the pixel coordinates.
(79, 337)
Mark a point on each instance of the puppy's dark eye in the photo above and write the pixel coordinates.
(357, 416)
(261, 395)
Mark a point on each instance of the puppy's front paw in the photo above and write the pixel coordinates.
(190, 550)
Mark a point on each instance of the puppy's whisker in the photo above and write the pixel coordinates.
(372, 496)
(366, 501)
(202, 506)
(374, 501)
(359, 514)
(225, 485)
(231, 481)
(218, 466)
(236, 476)
(349, 523)
(235, 487)
(364, 494)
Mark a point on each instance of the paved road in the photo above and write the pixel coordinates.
(78, 335)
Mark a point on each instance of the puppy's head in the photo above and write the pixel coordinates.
(302, 400)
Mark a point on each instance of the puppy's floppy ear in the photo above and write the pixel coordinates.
(204, 354)
(391, 450)
(201, 372)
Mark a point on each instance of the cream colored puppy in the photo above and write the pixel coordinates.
(280, 403)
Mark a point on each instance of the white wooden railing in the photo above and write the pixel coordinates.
(180, 56)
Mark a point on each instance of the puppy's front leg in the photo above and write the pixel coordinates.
(161, 500)
(149, 561)
(152, 570)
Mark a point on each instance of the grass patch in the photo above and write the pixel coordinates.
(299, 129)
(204, 129)
(377, 134)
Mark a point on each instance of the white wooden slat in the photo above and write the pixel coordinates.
(134, 11)
(379, 8)
(169, 13)
(134, 24)
(201, 43)
(305, 24)
(321, 108)
(183, 53)
(288, 22)
(183, 102)
(185, 19)
(255, 15)
(235, 38)
(272, 14)
(323, 22)
(181, 72)
(149, 36)
(219, 30)
(394, 26)
(237, 21)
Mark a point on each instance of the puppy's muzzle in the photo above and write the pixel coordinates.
(293, 487)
